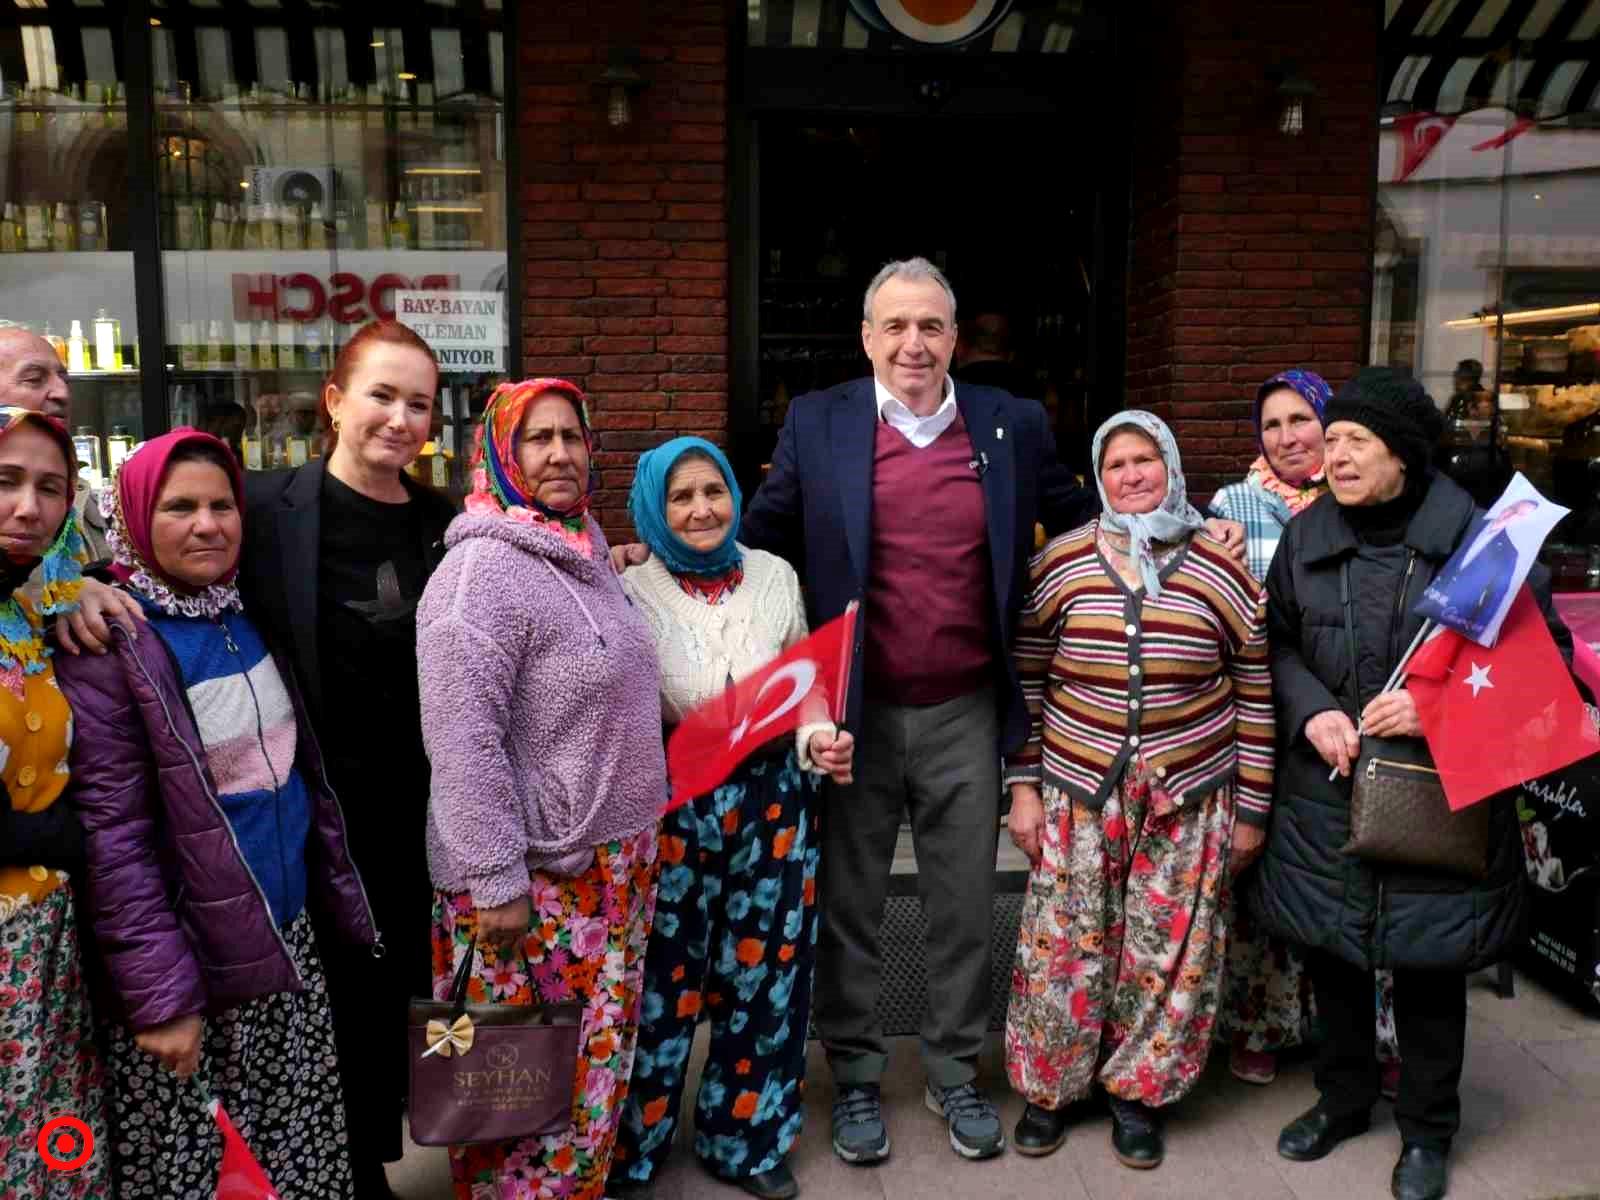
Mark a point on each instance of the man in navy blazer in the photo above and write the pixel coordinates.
(917, 496)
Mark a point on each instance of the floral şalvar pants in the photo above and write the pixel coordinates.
(586, 945)
(1120, 956)
(1267, 996)
(735, 934)
(49, 1063)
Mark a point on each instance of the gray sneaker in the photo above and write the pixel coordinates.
(859, 1135)
(974, 1124)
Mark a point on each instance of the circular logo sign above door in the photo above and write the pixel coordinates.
(932, 22)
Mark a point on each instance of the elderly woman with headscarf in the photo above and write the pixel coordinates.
(1267, 1007)
(49, 1063)
(736, 917)
(1342, 597)
(211, 833)
(541, 715)
(1146, 778)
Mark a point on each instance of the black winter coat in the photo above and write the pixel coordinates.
(1307, 889)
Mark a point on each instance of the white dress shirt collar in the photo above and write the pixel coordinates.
(919, 431)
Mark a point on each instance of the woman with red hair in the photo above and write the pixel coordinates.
(336, 555)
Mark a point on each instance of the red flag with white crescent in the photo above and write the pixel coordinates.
(806, 683)
(1419, 134)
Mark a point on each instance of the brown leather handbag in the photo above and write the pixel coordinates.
(1399, 816)
(489, 1072)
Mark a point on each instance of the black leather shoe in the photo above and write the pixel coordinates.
(1420, 1174)
(1135, 1135)
(1314, 1133)
(1040, 1131)
(776, 1184)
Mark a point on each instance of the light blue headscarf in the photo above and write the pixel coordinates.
(1173, 521)
(647, 503)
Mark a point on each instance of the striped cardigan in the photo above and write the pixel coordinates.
(1182, 680)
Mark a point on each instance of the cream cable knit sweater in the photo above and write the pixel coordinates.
(701, 648)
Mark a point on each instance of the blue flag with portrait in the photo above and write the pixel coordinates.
(1473, 591)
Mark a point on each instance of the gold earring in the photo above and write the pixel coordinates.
(334, 421)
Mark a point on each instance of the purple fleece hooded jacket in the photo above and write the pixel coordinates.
(541, 709)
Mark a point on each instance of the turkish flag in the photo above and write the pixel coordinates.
(241, 1177)
(1495, 718)
(805, 683)
(1419, 134)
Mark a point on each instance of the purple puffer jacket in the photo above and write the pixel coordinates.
(180, 923)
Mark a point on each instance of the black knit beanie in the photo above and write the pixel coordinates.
(1395, 407)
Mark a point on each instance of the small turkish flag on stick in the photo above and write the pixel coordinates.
(806, 683)
(241, 1177)
(1498, 717)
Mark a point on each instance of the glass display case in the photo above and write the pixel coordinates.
(338, 182)
(312, 166)
(66, 261)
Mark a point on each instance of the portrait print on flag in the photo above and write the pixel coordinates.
(1473, 591)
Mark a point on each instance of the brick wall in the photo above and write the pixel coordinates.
(1251, 250)
(625, 232)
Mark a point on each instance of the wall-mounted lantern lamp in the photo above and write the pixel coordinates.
(621, 80)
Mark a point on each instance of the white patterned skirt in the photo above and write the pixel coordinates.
(272, 1064)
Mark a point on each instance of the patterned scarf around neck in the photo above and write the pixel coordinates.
(22, 647)
(1296, 496)
(1173, 521)
(498, 486)
(129, 507)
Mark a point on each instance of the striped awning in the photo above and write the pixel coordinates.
(1539, 58)
(1027, 27)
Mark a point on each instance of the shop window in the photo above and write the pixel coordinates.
(314, 166)
(309, 181)
(66, 263)
(1487, 257)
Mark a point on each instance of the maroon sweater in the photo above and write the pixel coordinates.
(928, 625)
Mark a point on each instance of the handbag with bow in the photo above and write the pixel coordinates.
(489, 1072)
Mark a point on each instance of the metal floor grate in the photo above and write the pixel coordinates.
(905, 977)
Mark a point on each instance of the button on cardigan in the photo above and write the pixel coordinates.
(1181, 680)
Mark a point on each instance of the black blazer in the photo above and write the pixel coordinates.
(279, 563)
(815, 509)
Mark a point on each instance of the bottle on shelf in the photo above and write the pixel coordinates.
(376, 226)
(86, 449)
(287, 350)
(63, 230)
(290, 236)
(91, 226)
(36, 226)
(77, 349)
(341, 228)
(221, 233)
(427, 219)
(250, 237)
(215, 359)
(316, 230)
(271, 235)
(400, 228)
(297, 449)
(315, 341)
(118, 446)
(57, 342)
(250, 442)
(243, 346)
(107, 357)
(184, 222)
(11, 238)
(264, 348)
(188, 348)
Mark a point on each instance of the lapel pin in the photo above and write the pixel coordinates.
(999, 433)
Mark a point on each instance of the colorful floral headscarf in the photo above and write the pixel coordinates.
(22, 648)
(1173, 521)
(497, 482)
(129, 507)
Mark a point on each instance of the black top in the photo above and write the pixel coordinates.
(374, 564)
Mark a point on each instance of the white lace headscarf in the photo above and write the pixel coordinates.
(1172, 521)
